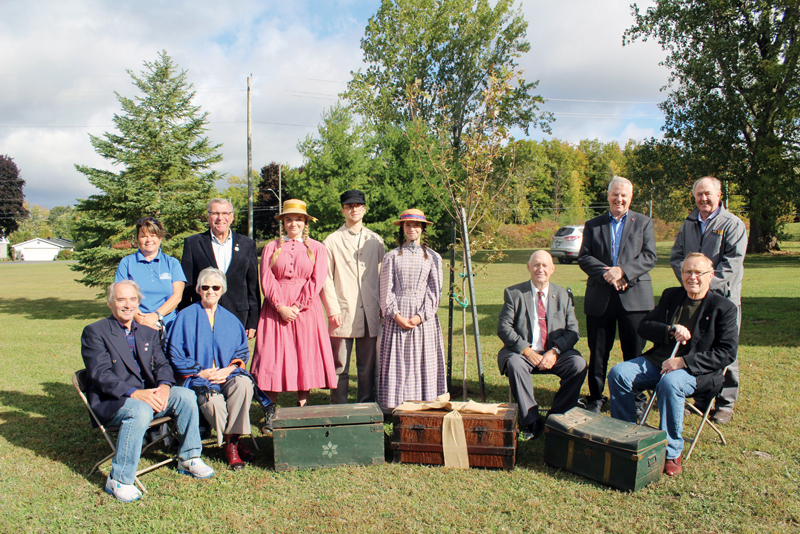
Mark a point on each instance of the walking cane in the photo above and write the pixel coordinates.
(653, 396)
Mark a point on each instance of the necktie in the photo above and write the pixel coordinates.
(542, 312)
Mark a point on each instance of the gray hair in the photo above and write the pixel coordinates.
(536, 252)
(619, 180)
(218, 201)
(211, 272)
(698, 255)
(717, 183)
(113, 288)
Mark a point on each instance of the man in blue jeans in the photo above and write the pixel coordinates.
(705, 324)
(130, 382)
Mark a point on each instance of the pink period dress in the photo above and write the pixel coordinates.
(296, 355)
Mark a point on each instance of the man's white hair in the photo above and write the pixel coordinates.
(619, 180)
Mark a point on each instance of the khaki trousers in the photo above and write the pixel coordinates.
(229, 411)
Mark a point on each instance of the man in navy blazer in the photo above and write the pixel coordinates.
(618, 252)
(538, 328)
(233, 254)
(705, 324)
(129, 383)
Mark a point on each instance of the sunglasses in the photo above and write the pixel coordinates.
(206, 288)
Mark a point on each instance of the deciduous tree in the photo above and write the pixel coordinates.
(452, 47)
(164, 159)
(12, 208)
(734, 96)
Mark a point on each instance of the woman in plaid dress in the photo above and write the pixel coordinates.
(411, 361)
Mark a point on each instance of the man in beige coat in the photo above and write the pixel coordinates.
(350, 294)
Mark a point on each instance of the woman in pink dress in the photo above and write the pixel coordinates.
(411, 363)
(293, 350)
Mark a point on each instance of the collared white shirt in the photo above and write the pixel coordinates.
(222, 251)
(537, 332)
(704, 223)
(356, 237)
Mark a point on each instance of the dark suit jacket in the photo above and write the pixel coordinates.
(243, 297)
(637, 257)
(714, 341)
(513, 325)
(112, 370)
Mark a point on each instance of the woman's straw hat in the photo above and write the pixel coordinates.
(412, 215)
(294, 205)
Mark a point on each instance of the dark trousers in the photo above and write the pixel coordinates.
(570, 367)
(366, 358)
(601, 332)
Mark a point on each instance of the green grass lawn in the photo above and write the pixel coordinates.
(47, 445)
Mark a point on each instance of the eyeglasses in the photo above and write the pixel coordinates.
(220, 213)
(354, 206)
(206, 288)
(698, 274)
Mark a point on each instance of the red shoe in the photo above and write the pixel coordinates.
(244, 452)
(673, 467)
(232, 456)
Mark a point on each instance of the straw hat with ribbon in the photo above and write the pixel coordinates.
(294, 205)
(412, 215)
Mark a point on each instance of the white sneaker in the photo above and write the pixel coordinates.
(195, 467)
(123, 492)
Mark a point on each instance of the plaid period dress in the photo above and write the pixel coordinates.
(411, 362)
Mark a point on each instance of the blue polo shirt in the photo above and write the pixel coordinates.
(154, 277)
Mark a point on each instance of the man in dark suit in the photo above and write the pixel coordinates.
(618, 252)
(233, 254)
(538, 328)
(705, 324)
(130, 382)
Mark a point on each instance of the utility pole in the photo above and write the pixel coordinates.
(249, 163)
(280, 187)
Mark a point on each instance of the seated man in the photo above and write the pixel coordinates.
(129, 383)
(704, 322)
(539, 330)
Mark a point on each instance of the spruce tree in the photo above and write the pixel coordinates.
(12, 208)
(164, 161)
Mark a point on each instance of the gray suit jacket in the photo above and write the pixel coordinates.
(513, 325)
(637, 257)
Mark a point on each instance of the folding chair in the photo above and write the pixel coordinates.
(707, 397)
(79, 383)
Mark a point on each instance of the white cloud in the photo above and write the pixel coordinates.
(63, 59)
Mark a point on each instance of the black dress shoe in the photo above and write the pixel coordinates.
(533, 430)
(593, 405)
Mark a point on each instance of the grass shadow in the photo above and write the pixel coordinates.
(53, 308)
(56, 425)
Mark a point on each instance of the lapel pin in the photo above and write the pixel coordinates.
(236, 248)
(146, 347)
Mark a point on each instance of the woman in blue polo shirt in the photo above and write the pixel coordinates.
(160, 277)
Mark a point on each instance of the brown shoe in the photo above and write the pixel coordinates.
(244, 452)
(232, 456)
(673, 467)
(722, 417)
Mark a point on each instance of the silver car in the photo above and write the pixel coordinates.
(567, 243)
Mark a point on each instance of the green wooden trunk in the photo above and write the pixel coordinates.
(615, 453)
(328, 436)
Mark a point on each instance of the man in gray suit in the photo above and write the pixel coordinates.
(618, 252)
(721, 236)
(538, 328)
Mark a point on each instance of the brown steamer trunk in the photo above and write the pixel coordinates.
(491, 439)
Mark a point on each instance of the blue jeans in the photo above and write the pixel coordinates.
(628, 378)
(133, 419)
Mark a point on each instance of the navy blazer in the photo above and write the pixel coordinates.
(111, 368)
(243, 297)
(513, 325)
(636, 256)
(714, 341)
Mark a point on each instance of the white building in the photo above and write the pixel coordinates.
(41, 249)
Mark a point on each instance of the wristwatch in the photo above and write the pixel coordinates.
(558, 351)
(160, 317)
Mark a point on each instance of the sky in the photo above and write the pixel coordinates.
(63, 60)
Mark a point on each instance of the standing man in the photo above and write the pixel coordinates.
(231, 253)
(129, 383)
(720, 236)
(538, 328)
(351, 295)
(618, 253)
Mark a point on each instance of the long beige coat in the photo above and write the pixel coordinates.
(352, 288)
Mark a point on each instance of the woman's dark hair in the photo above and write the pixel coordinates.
(151, 225)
